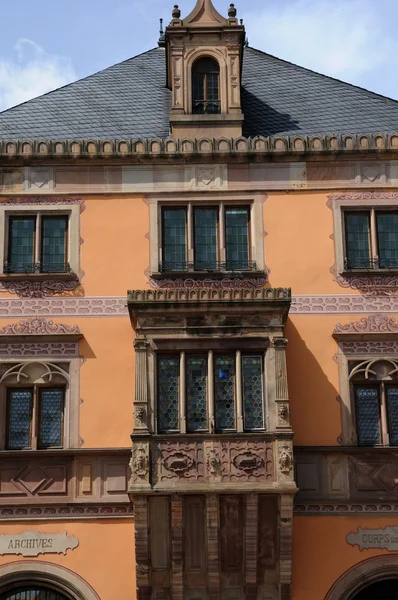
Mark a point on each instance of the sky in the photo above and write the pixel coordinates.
(46, 44)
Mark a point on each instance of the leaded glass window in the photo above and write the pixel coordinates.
(387, 235)
(21, 244)
(205, 86)
(253, 401)
(174, 239)
(237, 238)
(197, 394)
(358, 240)
(19, 409)
(368, 415)
(37, 244)
(51, 412)
(168, 393)
(206, 239)
(54, 239)
(224, 392)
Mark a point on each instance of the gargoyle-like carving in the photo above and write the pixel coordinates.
(248, 462)
(375, 323)
(38, 326)
(285, 459)
(213, 464)
(140, 416)
(139, 463)
(283, 413)
(178, 462)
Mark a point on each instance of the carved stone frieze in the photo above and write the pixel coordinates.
(338, 508)
(44, 201)
(53, 349)
(26, 288)
(176, 461)
(365, 195)
(208, 295)
(219, 283)
(65, 512)
(376, 323)
(246, 461)
(369, 347)
(38, 326)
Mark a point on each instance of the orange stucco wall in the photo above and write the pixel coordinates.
(321, 553)
(104, 558)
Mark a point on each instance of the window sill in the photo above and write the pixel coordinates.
(39, 276)
(368, 272)
(247, 273)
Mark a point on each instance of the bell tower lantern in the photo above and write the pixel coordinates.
(204, 55)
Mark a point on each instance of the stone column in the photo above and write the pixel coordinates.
(141, 547)
(141, 388)
(251, 546)
(285, 527)
(212, 525)
(177, 580)
(281, 387)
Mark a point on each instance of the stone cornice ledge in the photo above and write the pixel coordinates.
(165, 148)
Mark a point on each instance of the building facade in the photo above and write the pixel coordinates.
(198, 335)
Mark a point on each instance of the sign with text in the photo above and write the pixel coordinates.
(33, 543)
(383, 539)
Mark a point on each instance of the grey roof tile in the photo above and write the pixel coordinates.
(130, 100)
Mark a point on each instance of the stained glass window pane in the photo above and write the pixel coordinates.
(392, 399)
(21, 245)
(196, 394)
(51, 417)
(19, 417)
(368, 415)
(174, 239)
(252, 380)
(387, 232)
(224, 392)
(357, 240)
(168, 392)
(237, 238)
(205, 238)
(54, 231)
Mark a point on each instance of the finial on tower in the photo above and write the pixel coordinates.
(176, 14)
(232, 11)
(161, 40)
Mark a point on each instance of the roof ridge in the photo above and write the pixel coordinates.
(62, 87)
(288, 62)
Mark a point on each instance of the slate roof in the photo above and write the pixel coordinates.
(130, 100)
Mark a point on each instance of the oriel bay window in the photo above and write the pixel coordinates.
(374, 386)
(37, 244)
(210, 392)
(205, 238)
(371, 239)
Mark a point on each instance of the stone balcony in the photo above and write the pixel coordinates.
(212, 463)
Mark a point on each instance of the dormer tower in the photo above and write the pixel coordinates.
(204, 55)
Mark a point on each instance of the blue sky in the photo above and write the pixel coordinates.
(46, 44)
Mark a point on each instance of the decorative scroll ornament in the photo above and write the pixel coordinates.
(248, 462)
(376, 323)
(39, 289)
(285, 459)
(223, 283)
(376, 285)
(178, 462)
(38, 326)
(365, 195)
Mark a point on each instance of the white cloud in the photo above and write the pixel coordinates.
(31, 73)
(342, 39)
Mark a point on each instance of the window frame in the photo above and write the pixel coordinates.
(35, 416)
(211, 399)
(69, 381)
(71, 212)
(205, 74)
(255, 244)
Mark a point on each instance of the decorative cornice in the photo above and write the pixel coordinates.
(376, 323)
(333, 508)
(359, 196)
(210, 295)
(38, 326)
(224, 283)
(165, 148)
(43, 201)
(70, 512)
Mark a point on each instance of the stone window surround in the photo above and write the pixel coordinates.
(73, 213)
(256, 232)
(348, 435)
(72, 401)
(191, 59)
(341, 205)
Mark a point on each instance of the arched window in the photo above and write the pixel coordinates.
(206, 87)
(32, 592)
(375, 392)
